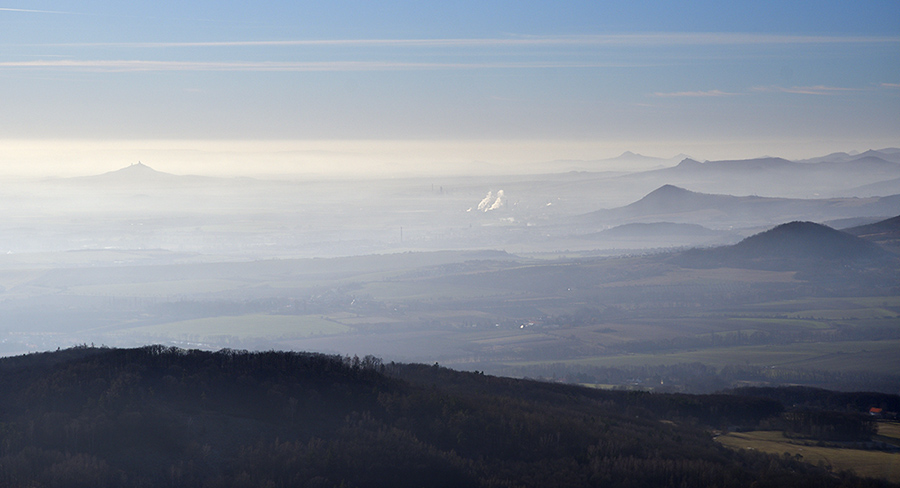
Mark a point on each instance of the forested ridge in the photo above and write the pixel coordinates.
(158, 416)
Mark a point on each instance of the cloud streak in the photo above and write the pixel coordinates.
(819, 90)
(31, 11)
(648, 39)
(145, 65)
(804, 90)
(695, 94)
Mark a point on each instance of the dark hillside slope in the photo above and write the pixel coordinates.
(807, 397)
(158, 416)
(830, 261)
(791, 246)
(885, 233)
(804, 240)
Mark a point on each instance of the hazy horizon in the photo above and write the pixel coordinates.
(377, 159)
(398, 87)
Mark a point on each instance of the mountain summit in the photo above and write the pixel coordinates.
(670, 199)
(141, 175)
(137, 171)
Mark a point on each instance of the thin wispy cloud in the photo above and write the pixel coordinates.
(708, 93)
(890, 85)
(804, 90)
(798, 90)
(524, 41)
(32, 11)
(144, 65)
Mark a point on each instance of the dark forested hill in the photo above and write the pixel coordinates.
(794, 246)
(158, 416)
(804, 240)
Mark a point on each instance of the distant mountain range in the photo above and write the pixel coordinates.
(561, 206)
(871, 173)
(889, 154)
(674, 204)
(870, 162)
(627, 161)
(779, 177)
(634, 162)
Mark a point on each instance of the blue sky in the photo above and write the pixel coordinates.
(237, 87)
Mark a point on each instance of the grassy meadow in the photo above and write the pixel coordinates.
(872, 463)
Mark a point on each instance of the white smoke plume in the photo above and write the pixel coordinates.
(491, 201)
(487, 201)
(498, 202)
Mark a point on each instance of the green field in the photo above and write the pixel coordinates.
(889, 429)
(246, 326)
(875, 464)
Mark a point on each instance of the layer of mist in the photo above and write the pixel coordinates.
(519, 274)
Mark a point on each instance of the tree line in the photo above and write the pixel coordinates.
(160, 416)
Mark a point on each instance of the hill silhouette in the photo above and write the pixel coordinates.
(867, 161)
(134, 173)
(885, 187)
(137, 170)
(886, 233)
(158, 416)
(731, 166)
(887, 154)
(661, 235)
(142, 175)
(830, 176)
(659, 229)
(792, 246)
(675, 204)
(673, 199)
